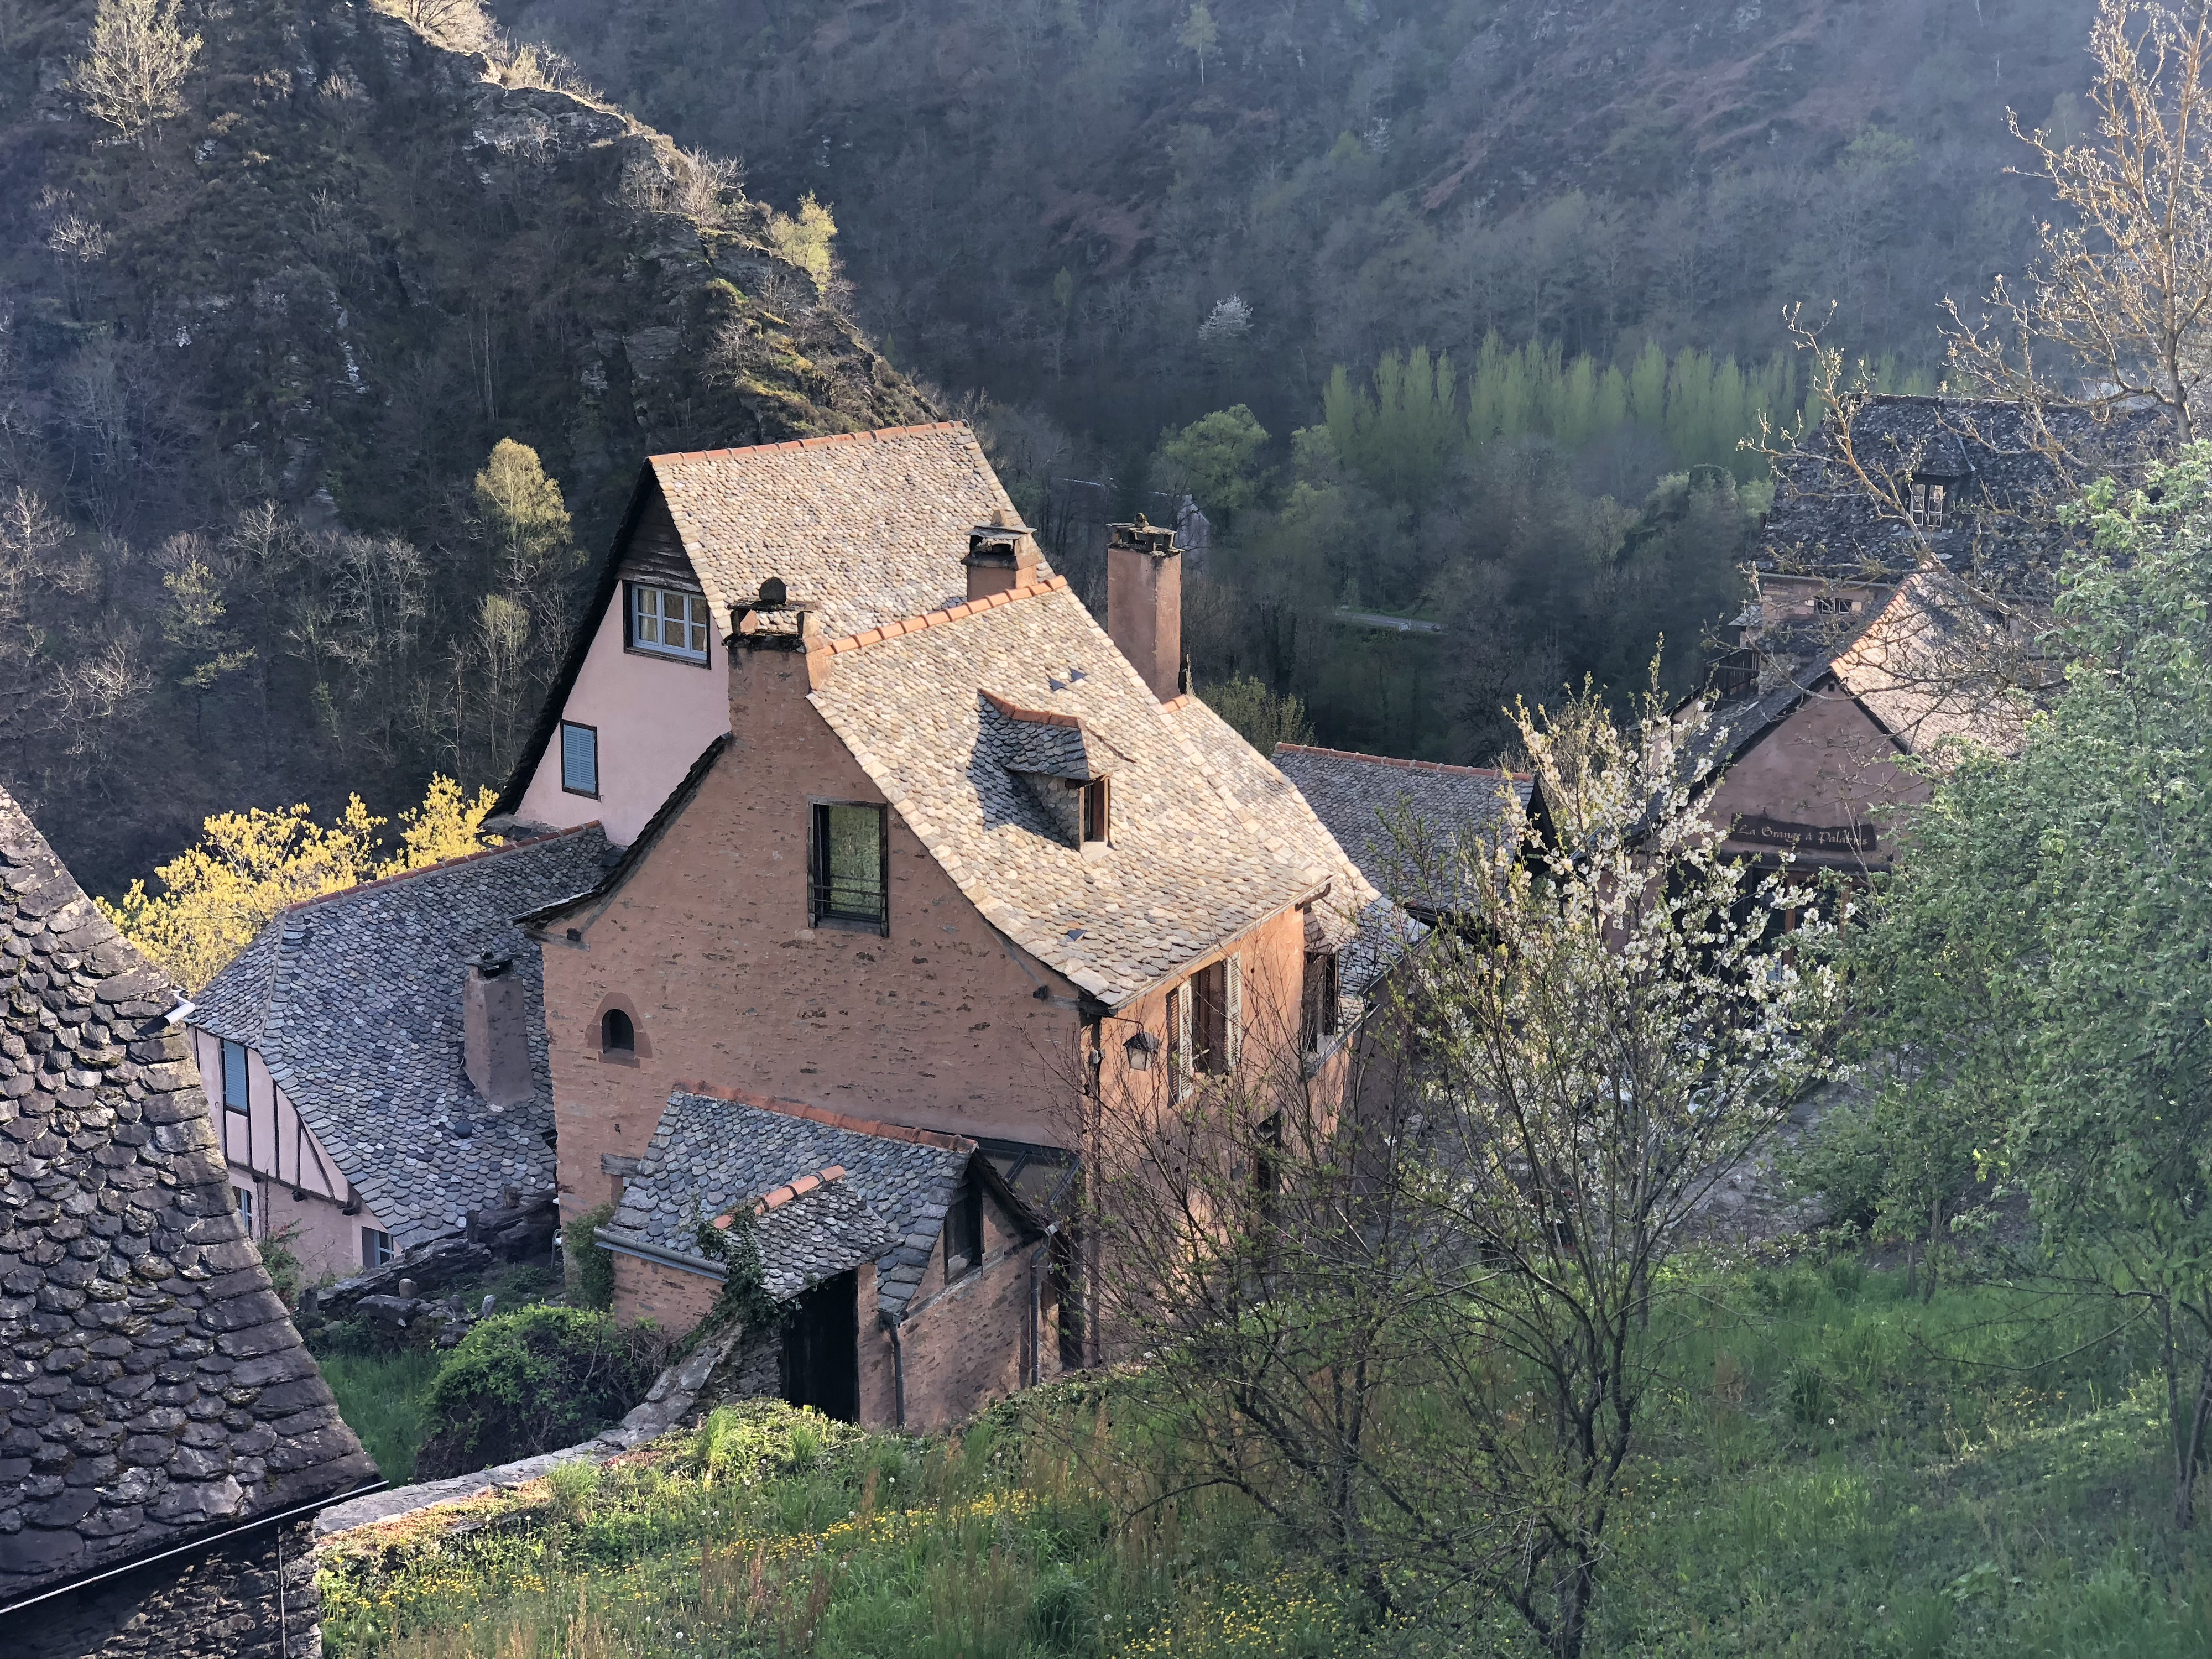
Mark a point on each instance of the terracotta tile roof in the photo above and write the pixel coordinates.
(354, 1000)
(1208, 839)
(863, 528)
(714, 1151)
(152, 1388)
(1397, 818)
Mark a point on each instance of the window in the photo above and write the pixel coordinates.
(1219, 1015)
(245, 1196)
(616, 1035)
(1179, 1066)
(668, 623)
(1318, 1007)
(234, 1095)
(1928, 505)
(847, 886)
(375, 1247)
(1094, 810)
(963, 1229)
(580, 759)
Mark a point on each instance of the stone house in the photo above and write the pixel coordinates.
(953, 857)
(379, 1056)
(866, 1230)
(165, 1440)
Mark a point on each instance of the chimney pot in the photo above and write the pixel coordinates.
(1002, 554)
(495, 1030)
(1144, 603)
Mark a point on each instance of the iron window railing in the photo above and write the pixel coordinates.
(849, 878)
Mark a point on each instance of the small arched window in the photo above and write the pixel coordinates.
(616, 1035)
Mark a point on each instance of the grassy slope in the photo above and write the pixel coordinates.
(1964, 1500)
(380, 1397)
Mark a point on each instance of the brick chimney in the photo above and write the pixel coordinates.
(1001, 554)
(1144, 602)
(495, 1030)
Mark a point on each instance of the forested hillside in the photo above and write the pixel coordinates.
(1115, 216)
(256, 544)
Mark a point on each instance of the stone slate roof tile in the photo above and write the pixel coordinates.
(1207, 839)
(2000, 484)
(1389, 815)
(354, 1000)
(1933, 665)
(152, 1388)
(863, 528)
(709, 1154)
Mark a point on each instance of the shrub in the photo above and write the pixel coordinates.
(531, 1381)
(591, 1264)
(1062, 1618)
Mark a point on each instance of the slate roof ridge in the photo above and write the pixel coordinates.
(1014, 711)
(943, 1142)
(440, 867)
(776, 1197)
(678, 457)
(905, 625)
(1399, 761)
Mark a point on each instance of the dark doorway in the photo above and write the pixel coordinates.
(822, 1349)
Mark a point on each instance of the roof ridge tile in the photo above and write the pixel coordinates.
(905, 625)
(441, 865)
(818, 441)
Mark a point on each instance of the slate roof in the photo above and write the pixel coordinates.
(710, 1153)
(1208, 839)
(152, 1390)
(1934, 665)
(2002, 489)
(354, 1002)
(863, 527)
(1392, 816)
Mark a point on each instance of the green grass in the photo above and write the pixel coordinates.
(380, 1397)
(1833, 1469)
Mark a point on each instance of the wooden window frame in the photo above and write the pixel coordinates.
(1096, 813)
(820, 884)
(243, 1195)
(964, 1224)
(1321, 1002)
(568, 788)
(1218, 1018)
(1931, 503)
(376, 1249)
(245, 1103)
(705, 656)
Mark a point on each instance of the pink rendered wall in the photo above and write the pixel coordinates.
(654, 715)
(272, 1153)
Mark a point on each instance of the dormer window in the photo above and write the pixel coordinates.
(668, 623)
(1927, 506)
(1096, 800)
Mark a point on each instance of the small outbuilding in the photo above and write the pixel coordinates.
(917, 1284)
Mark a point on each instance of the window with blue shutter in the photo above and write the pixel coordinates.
(579, 758)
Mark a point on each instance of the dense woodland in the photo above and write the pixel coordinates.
(1099, 221)
(254, 358)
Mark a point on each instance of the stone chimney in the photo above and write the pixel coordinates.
(495, 1030)
(1144, 602)
(1001, 554)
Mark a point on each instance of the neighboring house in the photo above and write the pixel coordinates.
(1814, 751)
(165, 1439)
(1410, 825)
(955, 857)
(861, 529)
(379, 1055)
(865, 1230)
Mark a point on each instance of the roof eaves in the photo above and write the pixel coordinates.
(635, 853)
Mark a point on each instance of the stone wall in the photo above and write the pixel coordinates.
(252, 1597)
